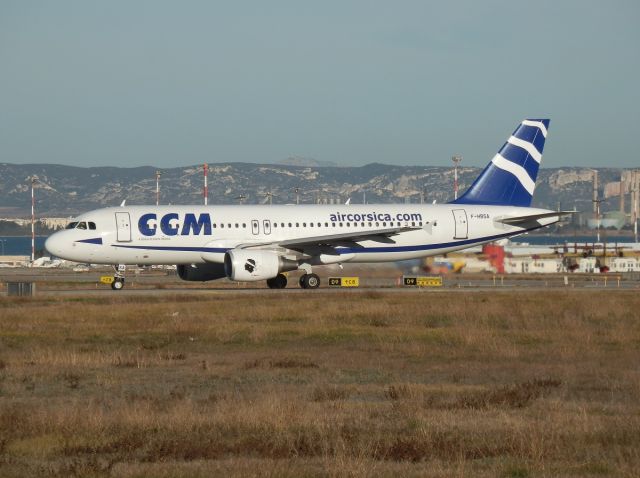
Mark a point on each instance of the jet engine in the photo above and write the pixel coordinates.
(254, 265)
(201, 272)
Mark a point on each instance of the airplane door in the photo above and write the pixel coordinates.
(255, 227)
(460, 220)
(123, 227)
(266, 226)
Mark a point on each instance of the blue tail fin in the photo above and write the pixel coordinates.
(510, 177)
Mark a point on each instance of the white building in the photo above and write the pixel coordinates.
(529, 265)
(624, 264)
(587, 265)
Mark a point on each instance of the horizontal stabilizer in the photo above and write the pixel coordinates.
(523, 221)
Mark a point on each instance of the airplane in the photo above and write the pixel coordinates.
(262, 242)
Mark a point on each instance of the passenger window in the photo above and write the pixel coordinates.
(222, 225)
(92, 226)
(319, 224)
(333, 224)
(304, 224)
(289, 224)
(297, 224)
(237, 225)
(340, 224)
(282, 224)
(82, 225)
(244, 225)
(275, 224)
(310, 224)
(71, 225)
(384, 224)
(348, 224)
(229, 226)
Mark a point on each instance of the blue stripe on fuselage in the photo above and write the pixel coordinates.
(96, 240)
(175, 248)
(349, 250)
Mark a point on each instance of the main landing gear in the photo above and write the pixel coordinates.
(277, 282)
(309, 281)
(118, 277)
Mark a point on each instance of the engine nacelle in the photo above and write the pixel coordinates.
(201, 272)
(253, 265)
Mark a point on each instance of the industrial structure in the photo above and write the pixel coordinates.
(628, 186)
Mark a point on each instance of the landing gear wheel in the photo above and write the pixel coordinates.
(118, 283)
(301, 281)
(310, 281)
(277, 282)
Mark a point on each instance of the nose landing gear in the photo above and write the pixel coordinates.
(118, 276)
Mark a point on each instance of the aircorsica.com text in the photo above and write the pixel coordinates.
(373, 216)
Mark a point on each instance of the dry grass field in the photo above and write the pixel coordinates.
(511, 384)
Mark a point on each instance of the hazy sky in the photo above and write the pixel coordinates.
(171, 83)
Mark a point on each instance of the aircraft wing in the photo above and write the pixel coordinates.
(382, 235)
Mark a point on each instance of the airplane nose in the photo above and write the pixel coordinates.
(53, 245)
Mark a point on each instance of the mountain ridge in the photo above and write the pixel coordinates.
(64, 190)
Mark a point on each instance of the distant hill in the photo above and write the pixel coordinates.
(302, 161)
(68, 190)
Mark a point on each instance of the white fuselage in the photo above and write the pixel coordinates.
(202, 234)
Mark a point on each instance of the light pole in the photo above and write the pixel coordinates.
(33, 219)
(596, 202)
(205, 192)
(597, 205)
(456, 160)
(158, 174)
(634, 195)
(297, 191)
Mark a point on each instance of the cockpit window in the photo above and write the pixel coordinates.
(71, 225)
(81, 225)
(92, 225)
